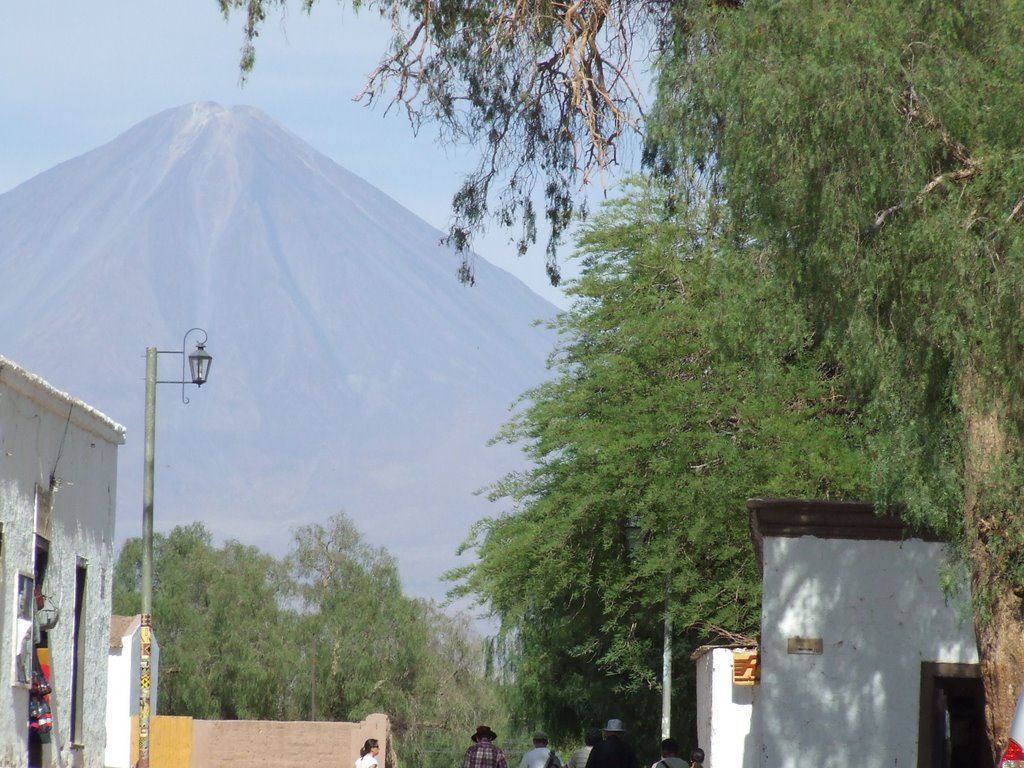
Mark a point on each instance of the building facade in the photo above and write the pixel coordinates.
(867, 654)
(58, 484)
(866, 657)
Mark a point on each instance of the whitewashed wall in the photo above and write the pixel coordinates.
(725, 713)
(880, 612)
(123, 695)
(119, 710)
(45, 433)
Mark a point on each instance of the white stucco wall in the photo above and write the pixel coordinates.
(879, 610)
(119, 723)
(45, 433)
(123, 696)
(725, 713)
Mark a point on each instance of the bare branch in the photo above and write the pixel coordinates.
(915, 111)
(1016, 210)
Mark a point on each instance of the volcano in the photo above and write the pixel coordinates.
(352, 372)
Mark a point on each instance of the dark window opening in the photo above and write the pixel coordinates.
(40, 718)
(78, 660)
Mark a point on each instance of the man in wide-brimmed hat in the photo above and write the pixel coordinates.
(483, 753)
(612, 751)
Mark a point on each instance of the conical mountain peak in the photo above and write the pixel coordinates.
(352, 371)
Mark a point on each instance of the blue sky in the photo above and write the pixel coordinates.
(76, 75)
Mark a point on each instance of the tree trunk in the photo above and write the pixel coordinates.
(1001, 647)
(997, 606)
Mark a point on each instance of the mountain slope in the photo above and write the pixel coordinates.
(351, 370)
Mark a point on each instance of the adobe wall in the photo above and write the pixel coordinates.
(258, 743)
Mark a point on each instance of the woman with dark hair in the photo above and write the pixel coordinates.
(368, 754)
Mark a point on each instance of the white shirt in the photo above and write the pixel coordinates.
(578, 759)
(538, 758)
(367, 761)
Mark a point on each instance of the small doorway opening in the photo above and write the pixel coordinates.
(40, 717)
(952, 718)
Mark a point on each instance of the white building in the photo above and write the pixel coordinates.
(58, 482)
(864, 658)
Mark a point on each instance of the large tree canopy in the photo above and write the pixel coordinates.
(686, 382)
(222, 633)
(873, 152)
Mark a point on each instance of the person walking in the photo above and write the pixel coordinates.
(578, 759)
(670, 756)
(368, 754)
(540, 756)
(483, 753)
(612, 751)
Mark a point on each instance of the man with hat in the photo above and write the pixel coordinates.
(540, 756)
(612, 751)
(483, 753)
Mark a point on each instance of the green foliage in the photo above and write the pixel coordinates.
(873, 151)
(224, 651)
(325, 634)
(686, 384)
(376, 650)
(844, 222)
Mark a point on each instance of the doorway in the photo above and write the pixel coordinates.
(951, 731)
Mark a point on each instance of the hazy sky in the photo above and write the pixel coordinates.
(77, 74)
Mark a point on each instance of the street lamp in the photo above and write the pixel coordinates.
(199, 369)
(633, 540)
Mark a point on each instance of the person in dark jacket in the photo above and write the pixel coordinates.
(612, 751)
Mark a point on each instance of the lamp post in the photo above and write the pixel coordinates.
(633, 539)
(199, 368)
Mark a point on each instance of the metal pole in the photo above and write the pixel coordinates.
(666, 667)
(147, 559)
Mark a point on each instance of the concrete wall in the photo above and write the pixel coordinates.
(123, 696)
(119, 715)
(58, 478)
(725, 713)
(879, 611)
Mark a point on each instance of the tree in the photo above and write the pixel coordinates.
(545, 90)
(869, 151)
(325, 634)
(375, 650)
(223, 635)
(687, 381)
(872, 152)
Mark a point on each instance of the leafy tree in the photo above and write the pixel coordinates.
(687, 381)
(872, 151)
(223, 636)
(868, 151)
(325, 634)
(378, 651)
